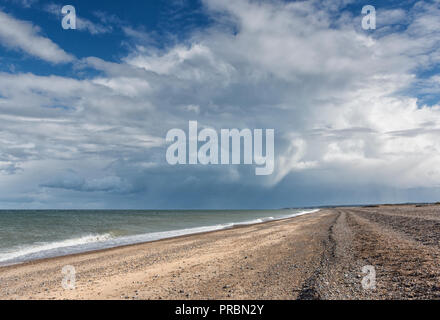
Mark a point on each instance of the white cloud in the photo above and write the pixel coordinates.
(22, 35)
(338, 98)
(289, 60)
(94, 28)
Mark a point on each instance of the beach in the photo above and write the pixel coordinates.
(318, 255)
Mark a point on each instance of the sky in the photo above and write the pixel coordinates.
(84, 113)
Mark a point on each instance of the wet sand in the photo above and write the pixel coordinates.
(315, 256)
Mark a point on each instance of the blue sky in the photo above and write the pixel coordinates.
(165, 22)
(84, 113)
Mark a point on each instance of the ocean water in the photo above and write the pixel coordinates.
(35, 234)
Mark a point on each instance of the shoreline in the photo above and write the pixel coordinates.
(319, 255)
(237, 225)
(160, 269)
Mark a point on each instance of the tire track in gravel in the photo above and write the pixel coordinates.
(313, 288)
(338, 275)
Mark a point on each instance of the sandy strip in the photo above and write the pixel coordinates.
(235, 263)
(314, 256)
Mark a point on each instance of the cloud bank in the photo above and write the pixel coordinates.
(345, 104)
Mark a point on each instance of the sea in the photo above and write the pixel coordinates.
(27, 235)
